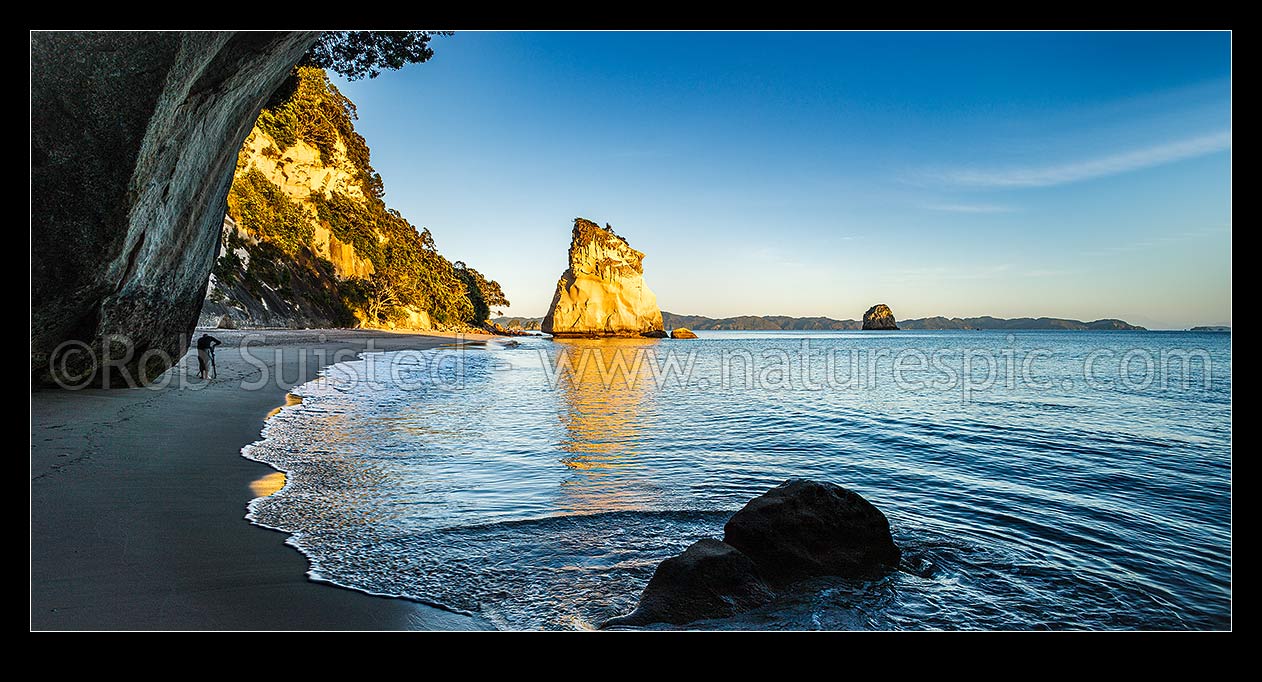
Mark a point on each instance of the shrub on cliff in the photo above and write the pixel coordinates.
(261, 207)
(483, 293)
(309, 107)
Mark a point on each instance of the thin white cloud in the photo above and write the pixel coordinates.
(941, 273)
(1188, 235)
(1089, 169)
(970, 208)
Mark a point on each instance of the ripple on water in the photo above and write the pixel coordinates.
(469, 481)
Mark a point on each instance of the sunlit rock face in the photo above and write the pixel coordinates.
(311, 297)
(133, 141)
(301, 173)
(879, 316)
(602, 292)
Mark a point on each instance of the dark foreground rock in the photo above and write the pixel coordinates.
(711, 579)
(799, 529)
(806, 528)
(879, 316)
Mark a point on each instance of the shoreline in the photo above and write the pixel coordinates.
(139, 500)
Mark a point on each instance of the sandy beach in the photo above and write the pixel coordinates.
(138, 499)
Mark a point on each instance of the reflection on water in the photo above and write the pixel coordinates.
(542, 503)
(269, 484)
(290, 399)
(602, 414)
(605, 407)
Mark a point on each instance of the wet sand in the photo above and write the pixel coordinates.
(138, 499)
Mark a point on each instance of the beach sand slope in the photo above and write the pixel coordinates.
(138, 499)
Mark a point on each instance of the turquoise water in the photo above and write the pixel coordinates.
(1034, 480)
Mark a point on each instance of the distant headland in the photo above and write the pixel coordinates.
(603, 293)
(784, 322)
(1209, 328)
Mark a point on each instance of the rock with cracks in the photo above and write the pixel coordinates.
(602, 292)
(879, 316)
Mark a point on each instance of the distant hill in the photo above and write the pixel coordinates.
(526, 323)
(1046, 323)
(777, 322)
(757, 322)
(1213, 328)
(783, 322)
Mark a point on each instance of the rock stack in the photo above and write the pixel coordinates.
(602, 292)
(879, 316)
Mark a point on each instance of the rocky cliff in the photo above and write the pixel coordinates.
(254, 282)
(133, 139)
(879, 316)
(308, 241)
(602, 292)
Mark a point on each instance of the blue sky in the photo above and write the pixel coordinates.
(1080, 175)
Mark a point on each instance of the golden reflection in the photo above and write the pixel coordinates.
(268, 484)
(607, 381)
(290, 399)
(605, 386)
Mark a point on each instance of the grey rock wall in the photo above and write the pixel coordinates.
(134, 136)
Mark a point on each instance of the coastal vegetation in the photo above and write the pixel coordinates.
(356, 54)
(310, 218)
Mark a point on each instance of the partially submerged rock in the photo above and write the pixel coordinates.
(602, 292)
(710, 579)
(682, 333)
(804, 528)
(879, 316)
(799, 529)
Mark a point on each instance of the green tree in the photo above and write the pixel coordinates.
(482, 292)
(356, 54)
(310, 108)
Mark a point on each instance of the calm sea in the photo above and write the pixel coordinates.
(1035, 480)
